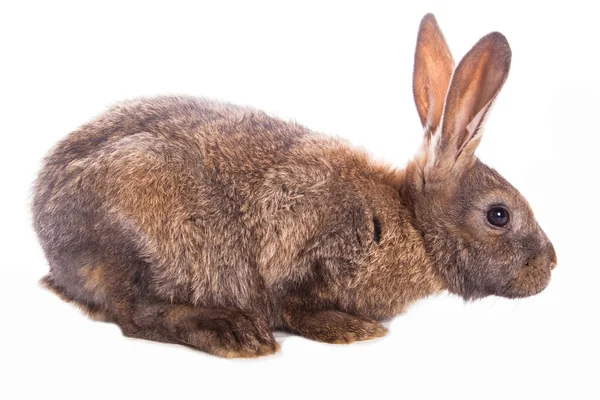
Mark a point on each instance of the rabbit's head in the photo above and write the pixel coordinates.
(478, 230)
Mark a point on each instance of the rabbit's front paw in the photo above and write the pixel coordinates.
(332, 326)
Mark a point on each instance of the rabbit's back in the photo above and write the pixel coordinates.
(173, 117)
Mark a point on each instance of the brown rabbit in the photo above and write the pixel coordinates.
(190, 221)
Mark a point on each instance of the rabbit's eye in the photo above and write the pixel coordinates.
(498, 216)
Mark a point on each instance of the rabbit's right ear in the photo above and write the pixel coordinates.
(432, 73)
(475, 84)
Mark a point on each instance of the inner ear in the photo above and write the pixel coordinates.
(376, 229)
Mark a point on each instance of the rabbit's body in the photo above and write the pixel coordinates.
(190, 221)
(254, 210)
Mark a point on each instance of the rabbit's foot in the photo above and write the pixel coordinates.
(222, 332)
(233, 335)
(332, 326)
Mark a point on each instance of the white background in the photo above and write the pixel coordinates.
(340, 68)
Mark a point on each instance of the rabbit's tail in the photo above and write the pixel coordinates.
(93, 311)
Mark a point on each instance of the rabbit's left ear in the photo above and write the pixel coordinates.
(475, 84)
(432, 71)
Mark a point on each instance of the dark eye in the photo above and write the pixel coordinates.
(498, 216)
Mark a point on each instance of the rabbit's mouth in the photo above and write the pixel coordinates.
(533, 277)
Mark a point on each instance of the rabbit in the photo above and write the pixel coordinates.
(191, 221)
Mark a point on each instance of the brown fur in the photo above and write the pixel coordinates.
(189, 221)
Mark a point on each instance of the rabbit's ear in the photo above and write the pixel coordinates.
(474, 86)
(431, 77)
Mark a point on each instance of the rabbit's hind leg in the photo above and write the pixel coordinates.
(219, 331)
(116, 294)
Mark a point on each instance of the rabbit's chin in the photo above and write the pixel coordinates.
(513, 292)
